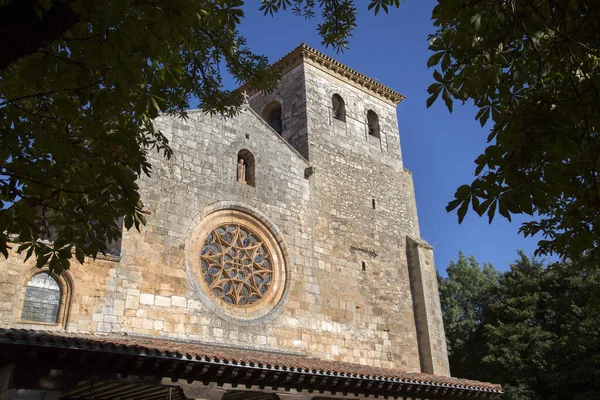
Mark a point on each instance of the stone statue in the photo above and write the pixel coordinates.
(241, 171)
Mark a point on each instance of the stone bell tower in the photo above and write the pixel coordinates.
(365, 227)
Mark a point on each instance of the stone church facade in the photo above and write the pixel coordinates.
(283, 239)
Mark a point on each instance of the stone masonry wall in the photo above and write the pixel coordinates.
(290, 94)
(353, 173)
(341, 221)
(150, 292)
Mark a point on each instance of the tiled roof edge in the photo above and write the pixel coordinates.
(76, 341)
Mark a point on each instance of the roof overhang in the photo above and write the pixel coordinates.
(201, 369)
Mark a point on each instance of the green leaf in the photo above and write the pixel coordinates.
(42, 260)
(434, 88)
(483, 207)
(446, 62)
(142, 218)
(434, 59)
(79, 255)
(453, 204)
(436, 44)
(475, 203)
(485, 116)
(462, 211)
(492, 211)
(24, 246)
(29, 253)
(526, 204)
(462, 192)
(431, 99)
(447, 100)
(128, 221)
(481, 162)
(38, 13)
(503, 209)
(45, 4)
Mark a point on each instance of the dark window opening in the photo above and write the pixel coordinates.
(272, 114)
(339, 107)
(373, 123)
(373, 203)
(364, 266)
(245, 167)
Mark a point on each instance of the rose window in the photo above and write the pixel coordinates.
(236, 265)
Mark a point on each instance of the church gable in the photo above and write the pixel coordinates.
(236, 159)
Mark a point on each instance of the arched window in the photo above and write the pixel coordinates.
(373, 123)
(42, 299)
(272, 114)
(339, 107)
(245, 167)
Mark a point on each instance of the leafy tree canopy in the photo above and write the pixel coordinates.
(82, 80)
(536, 330)
(80, 83)
(532, 68)
(463, 295)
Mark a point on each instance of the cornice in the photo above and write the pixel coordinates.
(305, 53)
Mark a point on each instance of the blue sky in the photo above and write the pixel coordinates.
(438, 147)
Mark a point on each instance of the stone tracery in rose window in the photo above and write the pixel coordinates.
(236, 265)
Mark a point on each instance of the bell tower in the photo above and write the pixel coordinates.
(368, 249)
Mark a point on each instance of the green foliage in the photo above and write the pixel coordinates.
(79, 91)
(536, 334)
(463, 295)
(541, 331)
(76, 116)
(339, 16)
(532, 68)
